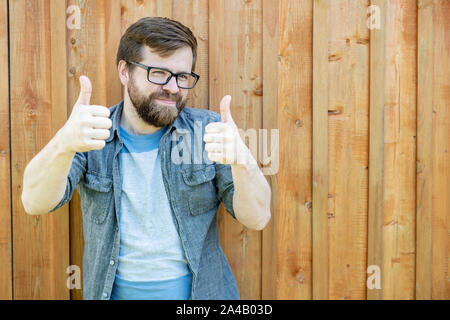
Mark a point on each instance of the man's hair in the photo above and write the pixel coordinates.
(162, 35)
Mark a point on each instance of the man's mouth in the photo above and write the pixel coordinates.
(167, 101)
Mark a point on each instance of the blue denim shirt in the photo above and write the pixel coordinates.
(195, 186)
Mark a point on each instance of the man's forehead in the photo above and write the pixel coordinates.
(177, 61)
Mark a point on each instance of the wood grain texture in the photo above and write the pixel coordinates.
(320, 242)
(294, 181)
(5, 169)
(348, 120)
(132, 10)
(40, 243)
(235, 55)
(270, 253)
(376, 145)
(114, 88)
(433, 149)
(394, 131)
(398, 261)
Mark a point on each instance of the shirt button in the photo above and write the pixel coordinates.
(111, 262)
(105, 294)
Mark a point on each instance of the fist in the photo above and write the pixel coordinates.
(88, 125)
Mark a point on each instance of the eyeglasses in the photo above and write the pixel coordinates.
(162, 76)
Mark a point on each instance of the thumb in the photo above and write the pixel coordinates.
(225, 112)
(85, 91)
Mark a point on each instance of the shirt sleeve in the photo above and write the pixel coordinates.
(224, 179)
(225, 186)
(77, 171)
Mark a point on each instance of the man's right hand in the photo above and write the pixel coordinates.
(88, 125)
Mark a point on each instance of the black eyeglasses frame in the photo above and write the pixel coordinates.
(148, 68)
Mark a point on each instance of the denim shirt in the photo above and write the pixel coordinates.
(195, 186)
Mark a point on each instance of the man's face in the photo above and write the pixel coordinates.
(148, 98)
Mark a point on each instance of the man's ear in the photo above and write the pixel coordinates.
(123, 72)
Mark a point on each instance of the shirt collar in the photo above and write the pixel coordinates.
(116, 114)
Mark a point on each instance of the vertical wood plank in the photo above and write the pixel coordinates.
(40, 243)
(294, 193)
(348, 63)
(114, 88)
(376, 145)
(236, 69)
(395, 135)
(194, 14)
(269, 272)
(433, 149)
(5, 169)
(441, 153)
(424, 148)
(399, 151)
(320, 248)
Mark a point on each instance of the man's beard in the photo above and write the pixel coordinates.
(152, 112)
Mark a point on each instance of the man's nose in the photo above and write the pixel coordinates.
(171, 86)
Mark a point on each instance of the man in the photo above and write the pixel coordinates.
(149, 197)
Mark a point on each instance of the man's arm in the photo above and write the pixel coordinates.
(52, 175)
(45, 177)
(251, 200)
(246, 183)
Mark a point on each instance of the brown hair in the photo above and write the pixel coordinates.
(162, 35)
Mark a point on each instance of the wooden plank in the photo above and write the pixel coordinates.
(236, 69)
(194, 15)
(294, 193)
(433, 149)
(114, 89)
(348, 63)
(40, 243)
(424, 156)
(398, 266)
(395, 102)
(5, 169)
(440, 285)
(269, 253)
(320, 260)
(376, 145)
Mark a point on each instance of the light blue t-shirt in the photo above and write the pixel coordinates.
(152, 264)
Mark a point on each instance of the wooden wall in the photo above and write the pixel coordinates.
(363, 118)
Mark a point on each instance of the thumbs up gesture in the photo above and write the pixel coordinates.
(88, 125)
(222, 140)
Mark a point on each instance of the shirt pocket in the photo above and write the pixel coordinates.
(201, 193)
(100, 195)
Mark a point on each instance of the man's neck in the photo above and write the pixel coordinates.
(131, 122)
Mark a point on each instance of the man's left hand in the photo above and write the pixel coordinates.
(222, 140)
